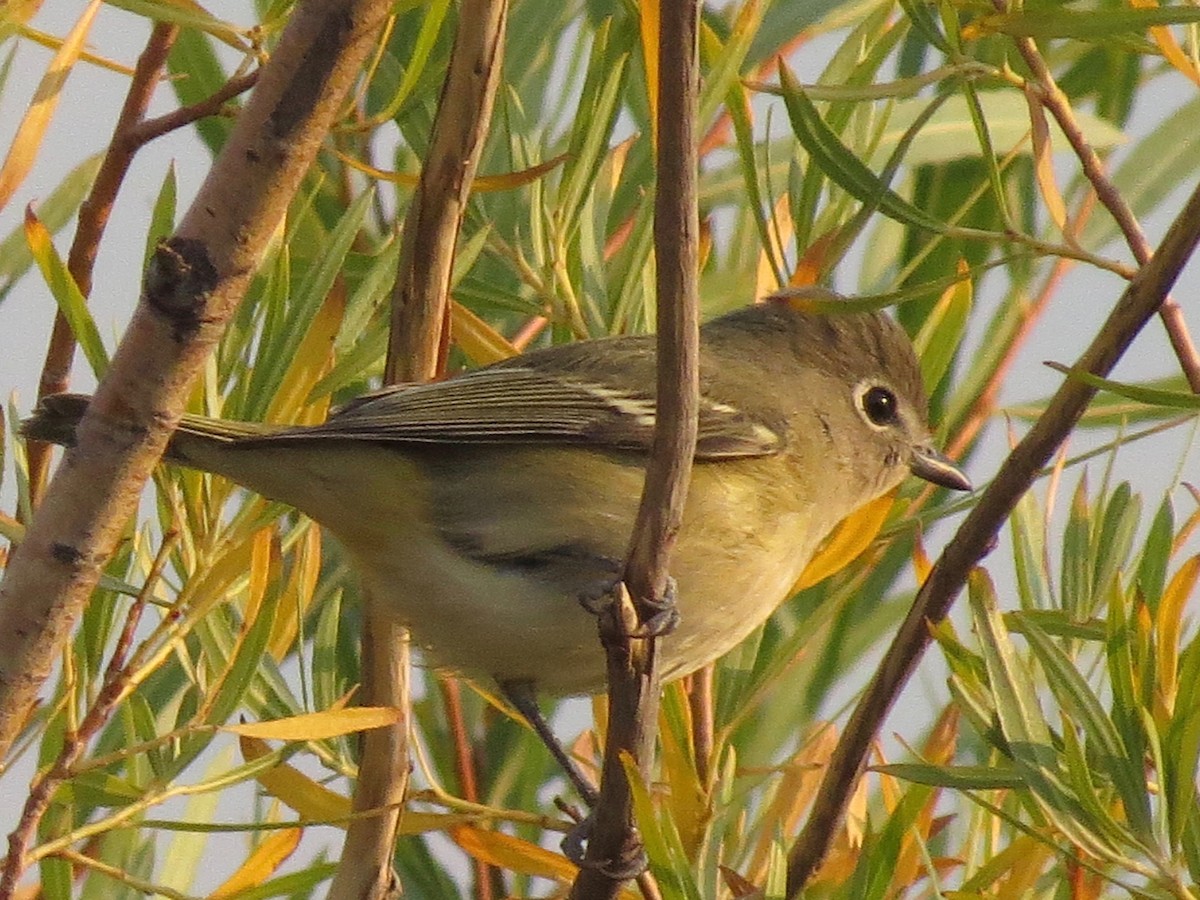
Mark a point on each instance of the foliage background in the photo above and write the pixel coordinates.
(1100, 590)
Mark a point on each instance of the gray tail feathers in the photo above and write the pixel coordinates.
(56, 419)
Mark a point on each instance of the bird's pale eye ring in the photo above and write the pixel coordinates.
(878, 404)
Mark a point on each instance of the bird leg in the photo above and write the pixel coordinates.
(521, 695)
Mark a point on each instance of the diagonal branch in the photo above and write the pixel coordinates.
(192, 286)
(977, 535)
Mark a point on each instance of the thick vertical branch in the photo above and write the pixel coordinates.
(420, 302)
(421, 295)
(191, 288)
(977, 534)
(633, 684)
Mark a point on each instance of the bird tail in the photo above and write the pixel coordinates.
(57, 417)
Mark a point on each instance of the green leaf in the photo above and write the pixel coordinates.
(1059, 21)
(960, 778)
(71, 302)
(54, 212)
(841, 165)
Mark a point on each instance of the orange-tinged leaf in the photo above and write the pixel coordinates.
(790, 800)
(648, 15)
(922, 565)
(313, 360)
(481, 342)
(261, 546)
(512, 853)
(1170, 628)
(738, 886)
(938, 750)
(1043, 162)
(261, 864)
(28, 140)
(850, 538)
(312, 801)
(297, 594)
(813, 261)
(482, 184)
(320, 725)
(686, 798)
(780, 229)
(1167, 44)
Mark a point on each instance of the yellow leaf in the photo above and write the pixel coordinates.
(648, 12)
(1043, 162)
(28, 139)
(687, 799)
(1170, 626)
(780, 230)
(1167, 44)
(312, 801)
(476, 338)
(482, 184)
(261, 863)
(320, 725)
(850, 538)
(512, 853)
(298, 593)
(261, 546)
(313, 359)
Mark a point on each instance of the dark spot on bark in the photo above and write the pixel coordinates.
(66, 554)
(253, 155)
(177, 284)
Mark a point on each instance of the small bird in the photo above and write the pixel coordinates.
(479, 509)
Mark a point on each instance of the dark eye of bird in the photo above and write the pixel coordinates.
(880, 405)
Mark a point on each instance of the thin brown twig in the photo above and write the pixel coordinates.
(700, 701)
(149, 129)
(465, 769)
(94, 213)
(614, 849)
(1059, 105)
(75, 743)
(985, 404)
(977, 534)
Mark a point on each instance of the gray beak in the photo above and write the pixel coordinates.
(936, 468)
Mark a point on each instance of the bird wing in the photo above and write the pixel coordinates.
(512, 403)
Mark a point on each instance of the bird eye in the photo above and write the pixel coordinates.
(880, 405)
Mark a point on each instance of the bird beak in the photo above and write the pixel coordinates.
(936, 468)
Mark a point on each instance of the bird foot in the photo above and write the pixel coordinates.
(627, 865)
(664, 614)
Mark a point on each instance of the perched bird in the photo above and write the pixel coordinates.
(480, 508)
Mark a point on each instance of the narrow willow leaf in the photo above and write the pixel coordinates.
(1169, 399)
(841, 165)
(320, 725)
(940, 335)
(960, 778)
(162, 217)
(1062, 22)
(668, 861)
(1083, 706)
(1156, 555)
(27, 142)
(71, 302)
(264, 860)
(54, 212)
